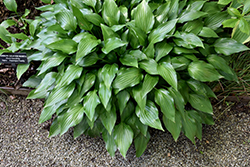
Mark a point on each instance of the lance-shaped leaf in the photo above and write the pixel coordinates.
(66, 19)
(244, 26)
(4, 35)
(94, 18)
(197, 87)
(141, 142)
(129, 60)
(86, 45)
(149, 115)
(123, 137)
(54, 128)
(224, 2)
(137, 94)
(148, 84)
(108, 119)
(203, 71)
(161, 31)
(71, 73)
(144, 18)
(88, 83)
(127, 78)
(208, 32)
(104, 94)
(178, 99)
(65, 45)
(166, 103)
(21, 69)
(32, 82)
(112, 43)
(110, 12)
(91, 3)
(71, 118)
(107, 32)
(188, 40)
(81, 127)
(122, 99)
(246, 7)
(10, 5)
(137, 32)
(108, 74)
(88, 60)
(174, 127)
(91, 100)
(81, 20)
(59, 94)
(52, 61)
(162, 12)
(201, 103)
(150, 66)
(168, 73)
(191, 15)
(161, 50)
(109, 143)
(189, 127)
(229, 46)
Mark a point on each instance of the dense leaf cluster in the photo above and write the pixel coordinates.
(116, 68)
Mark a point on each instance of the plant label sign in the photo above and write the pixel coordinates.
(14, 58)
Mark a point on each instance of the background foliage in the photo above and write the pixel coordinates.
(116, 68)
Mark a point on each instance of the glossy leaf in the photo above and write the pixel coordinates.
(81, 20)
(129, 60)
(127, 78)
(144, 18)
(54, 128)
(110, 143)
(137, 95)
(21, 69)
(86, 45)
(162, 49)
(66, 19)
(109, 119)
(112, 43)
(208, 32)
(104, 94)
(224, 2)
(201, 103)
(246, 7)
(88, 83)
(91, 3)
(107, 32)
(91, 100)
(110, 12)
(191, 15)
(189, 40)
(94, 18)
(161, 31)
(189, 127)
(108, 74)
(4, 35)
(228, 46)
(203, 71)
(166, 70)
(65, 45)
(178, 99)
(166, 103)
(141, 142)
(230, 23)
(71, 118)
(81, 127)
(150, 66)
(149, 116)
(122, 99)
(148, 84)
(88, 60)
(123, 135)
(10, 5)
(244, 26)
(174, 127)
(71, 73)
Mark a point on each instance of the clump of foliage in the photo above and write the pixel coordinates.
(116, 68)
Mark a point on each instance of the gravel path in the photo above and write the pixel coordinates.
(24, 143)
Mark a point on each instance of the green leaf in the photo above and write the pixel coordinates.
(221, 64)
(167, 72)
(21, 69)
(66, 19)
(129, 60)
(107, 32)
(201, 103)
(112, 43)
(158, 34)
(7, 23)
(60, 93)
(161, 50)
(81, 20)
(203, 71)
(137, 94)
(174, 127)
(188, 40)
(141, 142)
(144, 18)
(94, 18)
(71, 118)
(127, 78)
(91, 3)
(180, 62)
(166, 103)
(178, 99)
(104, 94)
(91, 100)
(88, 60)
(110, 143)
(86, 45)
(122, 99)
(10, 5)
(108, 74)
(4, 35)
(81, 127)
(244, 26)
(65, 45)
(137, 32)
(33, 27)
(224, 2)
(32, 82)
(233, 12)
(109, 119)
(246, 7)
(214, 21)
(110, 12)
(148, 84)
(54, 128)
(88, 83)
(52, 61)
(150, 66)
(189, 127)
(71, 73)
(228, 46)
(208, 32)
(230, 23)
(149, 116)
(123, 135)
(19, 36)
(162, 12)
(191, 15)
(197, 87)
(46, 1)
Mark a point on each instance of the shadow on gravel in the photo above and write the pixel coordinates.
(24, 143)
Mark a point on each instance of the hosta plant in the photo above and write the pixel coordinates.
(118, 68)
